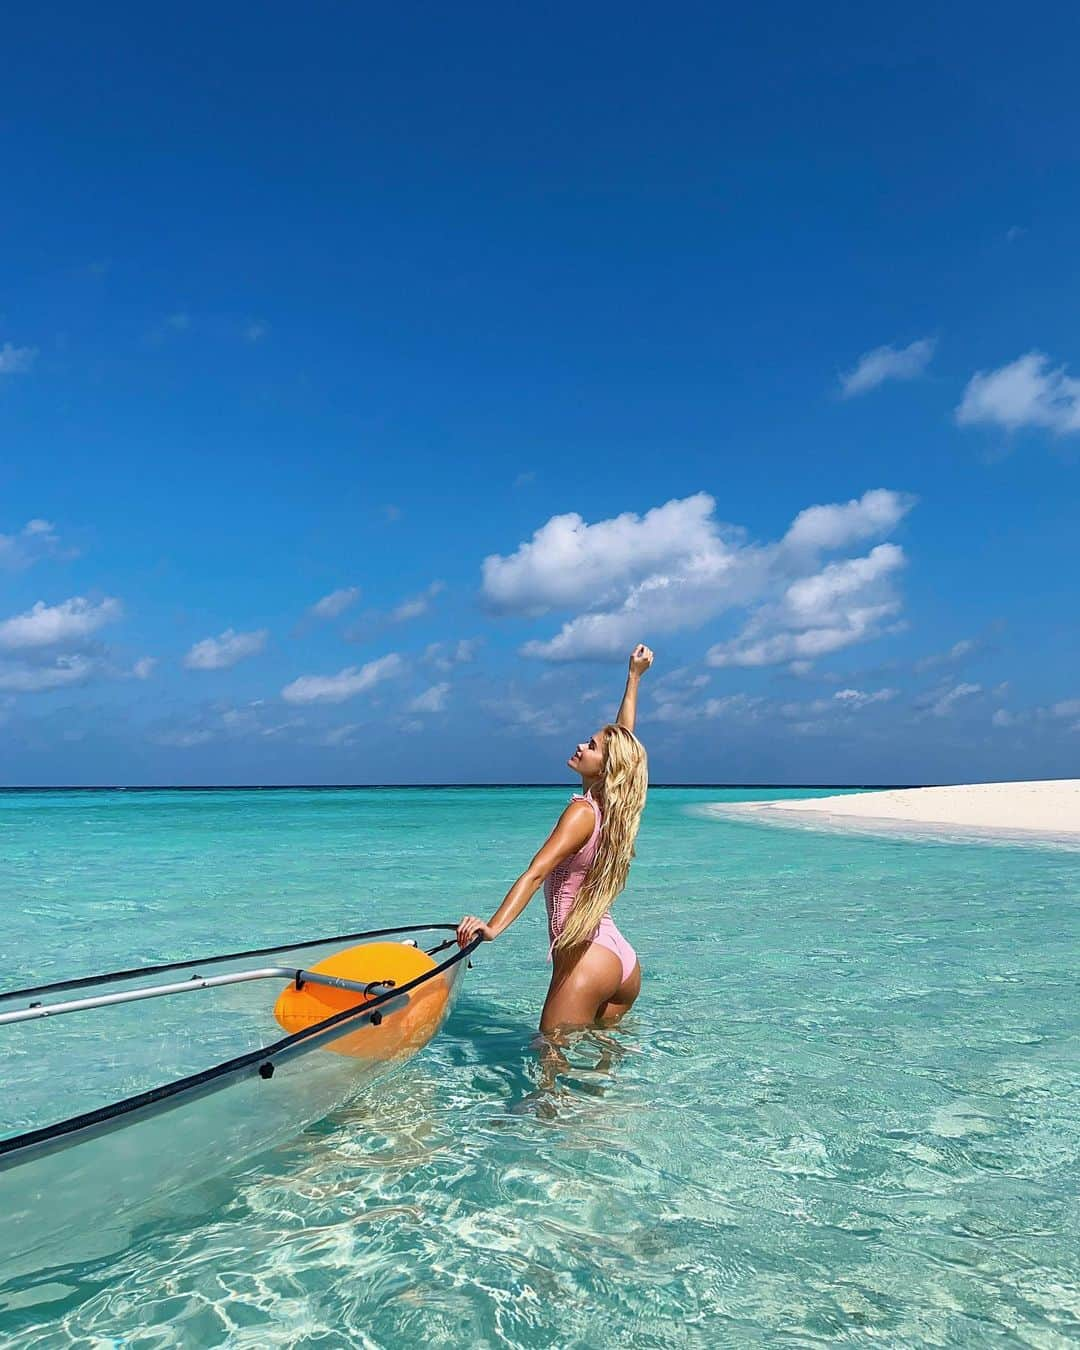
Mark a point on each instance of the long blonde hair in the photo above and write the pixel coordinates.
(624, 779)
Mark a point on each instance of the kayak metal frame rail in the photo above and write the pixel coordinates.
(297, 974)
(84, 981)
(33, 1143)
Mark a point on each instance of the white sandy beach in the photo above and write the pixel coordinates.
(1051, 807)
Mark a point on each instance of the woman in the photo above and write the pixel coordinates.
(596, 975)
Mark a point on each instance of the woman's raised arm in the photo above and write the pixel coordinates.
(641, 659)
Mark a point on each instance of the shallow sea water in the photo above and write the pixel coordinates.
(845, 1110)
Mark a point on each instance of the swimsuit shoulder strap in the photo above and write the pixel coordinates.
(599, 815)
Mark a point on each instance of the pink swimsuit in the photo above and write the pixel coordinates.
(561, 886)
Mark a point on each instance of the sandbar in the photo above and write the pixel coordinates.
(1046, 807)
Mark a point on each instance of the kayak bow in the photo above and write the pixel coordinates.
(372, 1003)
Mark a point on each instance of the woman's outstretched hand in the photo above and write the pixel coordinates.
(641, 658)
(470, 926)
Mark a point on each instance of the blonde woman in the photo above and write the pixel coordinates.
(583, 866)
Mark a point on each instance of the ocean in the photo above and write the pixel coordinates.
(845, 1109)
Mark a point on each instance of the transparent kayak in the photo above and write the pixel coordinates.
(121, 1088)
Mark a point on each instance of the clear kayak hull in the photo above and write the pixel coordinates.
(84, 1174)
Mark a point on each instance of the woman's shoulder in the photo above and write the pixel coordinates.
(580, 806)
(580, 799)
(578, 819)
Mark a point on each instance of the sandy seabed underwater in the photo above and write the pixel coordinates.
(845, 1110)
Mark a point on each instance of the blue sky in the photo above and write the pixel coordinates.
(516, 337)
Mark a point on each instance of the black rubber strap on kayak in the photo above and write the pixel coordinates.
(433, 951)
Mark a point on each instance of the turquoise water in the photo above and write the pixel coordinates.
(846, 1108)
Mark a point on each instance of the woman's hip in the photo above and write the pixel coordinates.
(609, 936)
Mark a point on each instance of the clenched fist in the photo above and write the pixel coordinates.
(641, 658)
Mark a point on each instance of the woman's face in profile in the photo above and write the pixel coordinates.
(588, 758)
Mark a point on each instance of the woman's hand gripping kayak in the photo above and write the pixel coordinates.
(470, 926)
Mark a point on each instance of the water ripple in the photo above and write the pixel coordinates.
(846, 1109)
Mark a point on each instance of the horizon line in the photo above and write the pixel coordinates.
(362, 787)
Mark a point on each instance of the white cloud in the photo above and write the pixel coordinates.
(958, 652)
(811, 727)
(416, 605)
(144, 667)
(812, 715)
(184, 739)
(676, 567)
(946, 702)
(446, 655)
(432, 700)
(238, 718)
(837, 526)
(857, 698)
(568, 562)
(514, 710)
(345, 684)
(279, 727)
(842, 702)
(744, 706)
(368, 625)
(887, 363)
(36, 539)
(1064, 710)
(675, 685)
(337, 602)
(225, 650)
(674, 694)
(812, 601)
(20, 678)
(44, 625)
(858, 625)
(339, 736)
(691, 573)
(1025, 393)
(16, 360)
(223, 721)
(844, 603)
(679, 707)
